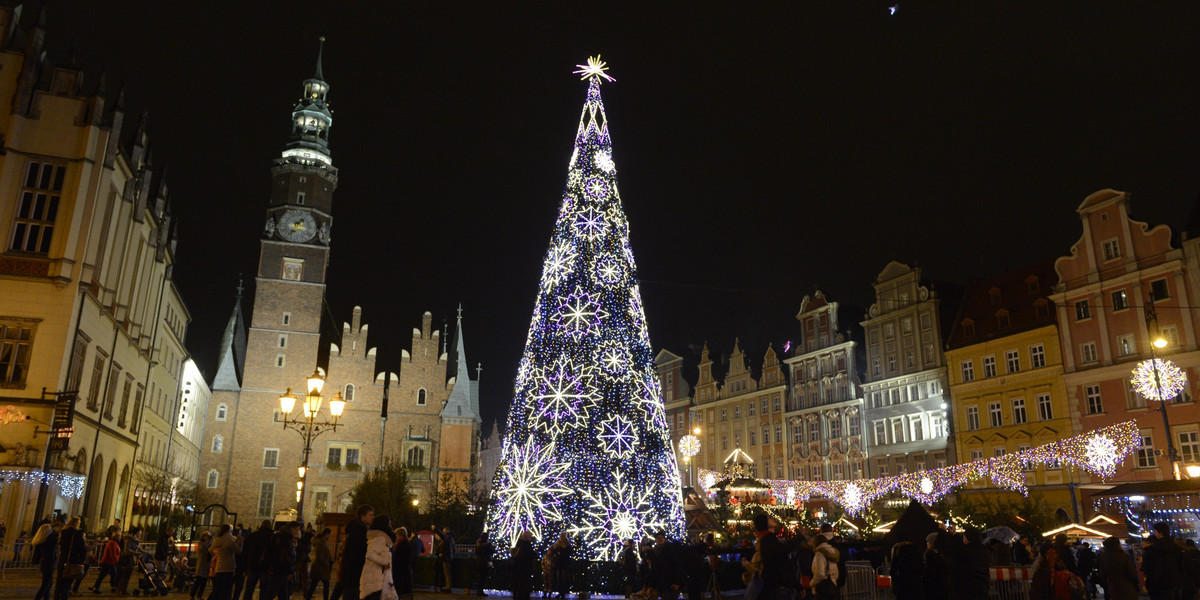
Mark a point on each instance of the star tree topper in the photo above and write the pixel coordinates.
(594, 69)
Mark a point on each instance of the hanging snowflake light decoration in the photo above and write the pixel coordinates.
(1171, 379)
(852, 499)
(709, 480)
(926, 486)
(1102, 455)
(689, 445)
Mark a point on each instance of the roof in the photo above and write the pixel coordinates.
(464, 400)
(231, 357)
(1010, 298)
(1152, 488)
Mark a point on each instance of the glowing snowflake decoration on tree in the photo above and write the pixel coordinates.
(1171, 380)
(614, 360)
(605, 162)
(578, 314)
(618, 436)
(529, 490)
(596, 188)
(590, 224)
(1102, 455)
(621, 501)
(574, 178)
(560, 261)
(609, 270)
(689, 445)
(562, 396)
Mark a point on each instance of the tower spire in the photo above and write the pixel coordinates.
(320, 51)
(311, 119)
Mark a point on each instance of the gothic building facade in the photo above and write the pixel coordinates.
(426, 415)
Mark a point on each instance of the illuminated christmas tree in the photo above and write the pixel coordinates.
(587, 449)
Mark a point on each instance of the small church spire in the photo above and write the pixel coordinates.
(320, 51)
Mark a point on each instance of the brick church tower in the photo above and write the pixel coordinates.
(249, 460)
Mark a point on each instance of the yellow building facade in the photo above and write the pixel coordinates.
(1006, 385)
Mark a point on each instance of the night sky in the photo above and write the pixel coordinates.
(762, 149)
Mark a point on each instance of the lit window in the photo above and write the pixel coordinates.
(1119, 300)
(1125, 345)
(1146, 451)
(1082, 310)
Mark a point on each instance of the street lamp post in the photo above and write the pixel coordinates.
(1160, 342)
(309, 424)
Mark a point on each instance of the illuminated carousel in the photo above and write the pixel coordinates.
(737, 494)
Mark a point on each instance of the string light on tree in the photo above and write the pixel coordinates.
(1171, 379)
(587, 412)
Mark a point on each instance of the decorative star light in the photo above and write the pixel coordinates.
(604, 161)
(590, 224)
(624, 525)
(689, 445)
(926, 486)
(578, 314)
(609, 270)
(596, 188)
(853, 498)
(618, 436)
(1102, 455)
(614, 360)
(1171, 380)
(562, 396)
(594, 69)
(530, 489)
(619, 500)
(560, 261)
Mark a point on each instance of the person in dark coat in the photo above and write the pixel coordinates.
(1085, 563)
(46, 550)
(304, 556)
(561, 553)
(322, 565)
(908, 571)
(255, 552)
(1065, 552)
(667, 567)
(165, 548)
(1049, 566)
(696, 566)
(1117, 573)
(402, 564)
(1160, 563)
(1189, 565)
(281, 564)
(629, 566)
(970, 564)
(935, 577)
(524, 557)
(484, 550)
(72, 550)
(354, 554)
(447, 556)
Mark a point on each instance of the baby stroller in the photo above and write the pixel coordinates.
(151, 582)
(182, 574)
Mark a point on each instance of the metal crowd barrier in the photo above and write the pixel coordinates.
(1010, 583)
(859, 582)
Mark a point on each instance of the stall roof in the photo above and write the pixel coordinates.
(1151, 488)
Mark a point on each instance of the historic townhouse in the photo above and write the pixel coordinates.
(1105, 286)
(825, 405)
(1005, 371)
(677, 402)
(904, 395)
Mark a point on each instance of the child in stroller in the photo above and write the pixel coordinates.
(182, 573)
(151, 582)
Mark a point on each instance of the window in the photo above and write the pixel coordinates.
(998, 452)
(348, 392)
(126, 392)
(972, 418)
(880, 433)
(737, 438)
(1018, 405)
(750, 409)
(1087, 352)
(352, 456)
(1189, 446)
(764, 406)
(1095, 405)
(1002, 320)
(835, 428)
(299, 197)
(1037, 356)
(211, 480)
(737, 412)
(218, 442)
(136, 422)
(97, 380)
(889, 331)
(283, 341)
(1125, 346)
(16, 342)
(287, 318)
(968, 371)
(266, 498)
(968, 328)
(1119, 300)
(38, 208)
(270, 458)
(335, 455)
(989, 366)
(1159, 290)
(1045, 410)
(996, 418)
(918, 429)
(421, 397)
(724, 442)
(1146, 451)
(906, 325)
(78, 358)
(797, 434)
(1112, 249)
(908, 357)
(935, 430)
(753, 438)
(1171, 333)
(854, 425)
(1012, 360)
(766, 434)
(1132, 398)
(875, 367)
(416, 457)
(775, 404)
(724, 415)
(891, 363)
(222, 412)
(778, 435)
(1082, 310)
(897, 431)
(279, 360)
(814, 431)
(977, 455)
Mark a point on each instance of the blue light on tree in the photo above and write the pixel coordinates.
(587, 451)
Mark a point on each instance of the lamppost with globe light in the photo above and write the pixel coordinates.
(1160, 380)
(310, 424)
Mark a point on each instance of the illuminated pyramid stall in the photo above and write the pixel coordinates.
(587, 450)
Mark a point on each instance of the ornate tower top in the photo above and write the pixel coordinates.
(311, 120)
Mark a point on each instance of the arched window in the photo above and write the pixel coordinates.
(218, 443)
(212, 478)
(421, 394)
(348, 395)
(222, 412)
(416, 456)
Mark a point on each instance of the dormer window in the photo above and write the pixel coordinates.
(994, 295)
(1002, 319)
(1032, 284)
(968, 328)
